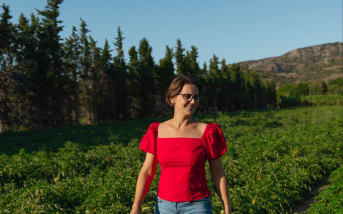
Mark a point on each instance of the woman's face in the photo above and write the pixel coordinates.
(187, 101)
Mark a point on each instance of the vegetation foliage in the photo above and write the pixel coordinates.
(313, 93)
(330, 200)
(49, 81)
(275, 157)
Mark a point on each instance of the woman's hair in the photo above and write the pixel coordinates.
(177, 84)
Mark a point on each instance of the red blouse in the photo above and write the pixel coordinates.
(182, 161)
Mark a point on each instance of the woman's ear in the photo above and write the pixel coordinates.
(172, 101)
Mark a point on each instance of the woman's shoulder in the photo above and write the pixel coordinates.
(163, 125)
(213, 125)
(153, 127)
(212, 128)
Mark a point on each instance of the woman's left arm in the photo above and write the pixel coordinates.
(220, 180)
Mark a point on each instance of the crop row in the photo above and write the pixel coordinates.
(69, 181)
(274, 158)
(330, 200)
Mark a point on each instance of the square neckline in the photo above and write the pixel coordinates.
(194, 138)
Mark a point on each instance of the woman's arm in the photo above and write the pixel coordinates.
(220, 180)
(145, 177)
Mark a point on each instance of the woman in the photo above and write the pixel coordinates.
(181, 146)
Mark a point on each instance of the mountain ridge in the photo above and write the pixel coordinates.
(322, 62)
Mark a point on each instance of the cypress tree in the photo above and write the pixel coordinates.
(269, 93)
(121, 81)
(51, 91)
(106, 56)
(105, 86)
(204, 97)
(204, 70)
(256, 89)
(95, 81)
(6, 38)
(164, 75)
(225, 93)
(214, 84)
(134, 85)
(237, 85)
(146, 78)
(72, 54)
(191, 64)
(85, 80)
(7, 83)
(28, 56)
(179, 57)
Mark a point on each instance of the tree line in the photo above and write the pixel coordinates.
(334, 86)
(49, 81)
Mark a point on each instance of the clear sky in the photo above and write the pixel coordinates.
(236, 30)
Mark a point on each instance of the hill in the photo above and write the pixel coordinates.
(320, 62)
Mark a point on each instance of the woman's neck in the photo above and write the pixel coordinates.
(181, 121)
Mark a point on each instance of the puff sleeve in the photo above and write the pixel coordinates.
(214, 142)
(148, 141)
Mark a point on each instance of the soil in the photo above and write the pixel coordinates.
(309, 199)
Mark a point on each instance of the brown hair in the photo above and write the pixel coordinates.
(177, 84)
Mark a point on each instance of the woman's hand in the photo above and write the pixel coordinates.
(135, 210)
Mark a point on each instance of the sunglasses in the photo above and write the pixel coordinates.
(189, 97)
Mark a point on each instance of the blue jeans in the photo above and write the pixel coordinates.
(202, 206)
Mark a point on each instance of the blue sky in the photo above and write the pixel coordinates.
(232, 29)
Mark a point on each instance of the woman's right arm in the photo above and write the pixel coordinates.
(145, 177)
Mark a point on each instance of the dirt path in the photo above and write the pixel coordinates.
(309, 199)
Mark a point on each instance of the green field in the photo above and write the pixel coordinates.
(330, 200)
(275, 159)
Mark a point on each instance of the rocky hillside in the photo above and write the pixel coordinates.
(320, 62)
